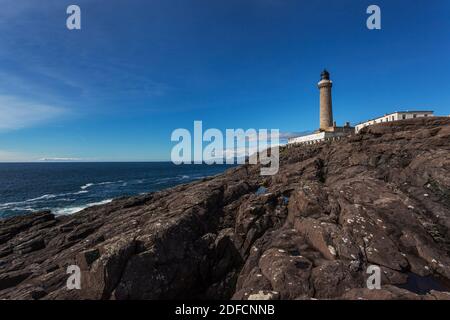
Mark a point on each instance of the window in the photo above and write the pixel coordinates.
(403, 116)
(392, 118)
(425, 115)
(415, 116)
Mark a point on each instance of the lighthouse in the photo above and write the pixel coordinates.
(328, 130)
(326, 108)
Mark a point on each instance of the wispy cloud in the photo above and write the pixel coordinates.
(270, 139)
(17, 113)
(251, 145)
(267, 136)
(12, 156)
(61, 159)
(16, 156)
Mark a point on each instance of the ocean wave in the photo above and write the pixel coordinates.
(60, 202)
(91, 184)
(78, 192)
(19, 203)
(108, 182)
(39, 199)
(23, 209)
(87, 185)
(75, 209)
(44, 197)
(9, 204)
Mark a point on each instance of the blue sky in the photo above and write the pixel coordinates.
(137, 70)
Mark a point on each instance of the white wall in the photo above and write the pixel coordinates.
(393, 117)
(318, 137)
(309, 138)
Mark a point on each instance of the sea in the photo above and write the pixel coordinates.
(66, 188)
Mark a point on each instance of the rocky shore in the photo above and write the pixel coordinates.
(378, 198)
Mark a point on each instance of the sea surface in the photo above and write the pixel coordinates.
(66, 188)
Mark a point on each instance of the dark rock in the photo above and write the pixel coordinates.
(11, 279)
(30, 245)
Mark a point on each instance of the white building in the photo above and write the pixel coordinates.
(395, 116)
(318, 137)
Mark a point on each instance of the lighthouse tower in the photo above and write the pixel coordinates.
(328, 130)
(326, 111)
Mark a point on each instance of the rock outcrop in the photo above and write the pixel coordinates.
(378, 198)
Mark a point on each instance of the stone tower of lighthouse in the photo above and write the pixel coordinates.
(328, 130)
(326, 111)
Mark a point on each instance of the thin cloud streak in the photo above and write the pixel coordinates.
(62, 159)
(17, 113)
(13, 156)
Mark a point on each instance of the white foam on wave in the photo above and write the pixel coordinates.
(79, 192)
(75, 209)
(108, 182)
(87, 185)
(39, 199)
(19, 205)
(44, 197)
(25, 202)
(22, 209)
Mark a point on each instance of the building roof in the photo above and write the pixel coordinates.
(388, 114)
